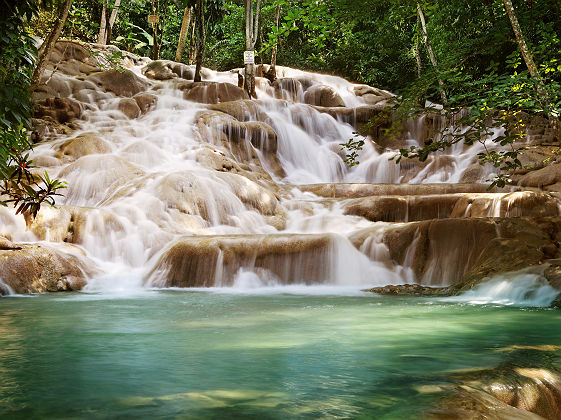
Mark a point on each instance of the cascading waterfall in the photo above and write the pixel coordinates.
(229, 172)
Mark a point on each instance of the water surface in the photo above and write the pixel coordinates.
(210, 354)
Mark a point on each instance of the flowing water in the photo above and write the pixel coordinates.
(283, 334)
(298, 353)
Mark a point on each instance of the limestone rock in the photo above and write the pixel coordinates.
(322, 95)
(121, 83)
(82, 145)
(145, 101)
(241, 110)
(461, 252)
(158, 70)
(206, 261)
(212, 92)
(61, 110)
(38, 269)
(241, 138)
(543, 178)
(129, 107)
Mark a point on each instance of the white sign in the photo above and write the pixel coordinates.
(249, 57)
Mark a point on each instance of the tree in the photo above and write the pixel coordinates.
(183, 34)
(200, 28)
(251, 32)
(430, 51)
(49, 43)
(532, 68)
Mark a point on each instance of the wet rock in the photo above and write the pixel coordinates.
(241, 138)
(6, 244)
(322, 95)
(61, 110)
(516, 204)
(341, 190)
(82, 145)
(461, 252)
(158, 70)
(473, 174)
(145, 101)
(288, 88)
(214, 260)
(549, 176)
(38, 269)
(71, 50)
(410, 290)
(241, 110)
(129, 107)
(526, 385)
(212, 92)
(216, 197)
(121, 83)
(108, 174)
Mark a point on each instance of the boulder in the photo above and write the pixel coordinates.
(548, 178)
(39, 269)
(288, 88)
(158, 70)
(121, 83)
(145, 101)
(322, 95)
(82, 145)
(129, 107)
(60, 110)
(212, 92)
(71, 50)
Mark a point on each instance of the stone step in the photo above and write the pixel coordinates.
(365, 190)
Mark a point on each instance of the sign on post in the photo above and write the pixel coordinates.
(153, 19)
(249, 57)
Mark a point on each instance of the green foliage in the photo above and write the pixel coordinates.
(17, 56)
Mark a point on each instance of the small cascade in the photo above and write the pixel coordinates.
(516, 289)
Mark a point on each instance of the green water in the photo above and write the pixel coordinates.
(178, 354)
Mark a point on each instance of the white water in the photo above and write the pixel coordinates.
(515, 289)
(161, 180)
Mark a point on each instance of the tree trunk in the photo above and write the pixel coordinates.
(251, 31)
(112, 20)
(275, 47)
(183, 34)
(192, 45)
(430, 51)
(200, 38)
(532, 68)
(49, 43)
(101, 36)
(418, 55)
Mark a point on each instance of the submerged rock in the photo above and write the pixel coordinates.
(526, 385)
